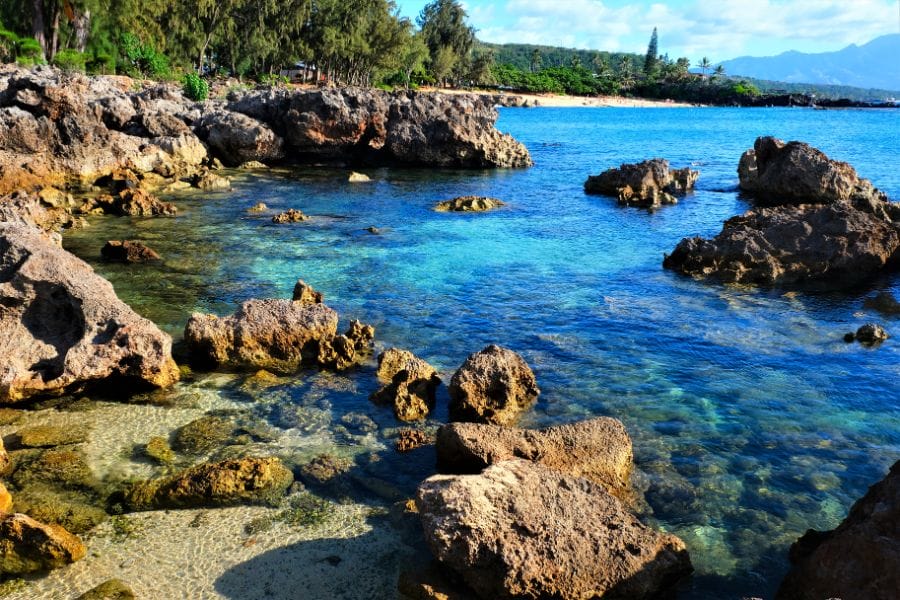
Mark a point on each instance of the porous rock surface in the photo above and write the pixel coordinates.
(28, 546)
(597, 449)
(469, 204)
(647, 184)
(62, 326)
(494, 385)
(410, 384)
(522, 530)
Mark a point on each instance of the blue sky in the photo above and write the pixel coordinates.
(718, 29)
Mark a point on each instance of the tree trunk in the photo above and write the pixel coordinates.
(54, 45)
(82, 27)
(37, 24)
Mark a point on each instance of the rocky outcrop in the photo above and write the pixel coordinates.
(130, 202)
(63, 327)
(277, 335)
(648, 184)
(292, 215)
(817, 246)
(128, 251)
(342, 351)
(410, 439)
(597, 449)
(522, 530)
(237, 139)
(869, 334)
(469, 204)
(410, 384)
(797, 173)
(402, 128)
(494, 385)
(28, 546)
(306, 294)
(860, 560)
(226, 483)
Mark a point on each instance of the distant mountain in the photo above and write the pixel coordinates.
(873, 65)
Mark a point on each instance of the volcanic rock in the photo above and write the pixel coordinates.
(494, 385)
(306, 294)
(63, 327)
(597, 449)
(522, 530)
(648, 184)
(291, 215)
(237, 139)
(868, 335)
(128, 251)
(469, 204)
(412, 384)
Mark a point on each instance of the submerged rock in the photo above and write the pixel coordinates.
(597, 449)
(469, 204)
(522, 530)
(291, 215)
(48, 436)
(28, 546)
(883, 302)
(128, 251)
(413, 382)
(795, 172)
(226, 483)
(494, 385)
(648, 184)
(277, 335)
(63, 327)
(203, 435)
(410, 439)
(860, 560)
(112, 589)
(209, 181)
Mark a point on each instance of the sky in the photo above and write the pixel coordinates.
(717, 29)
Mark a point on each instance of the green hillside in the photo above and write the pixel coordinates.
(520, 55)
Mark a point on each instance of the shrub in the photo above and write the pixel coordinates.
(70, 60)
(139, 59)
(195, 87)
(273, 80)
(101, 64)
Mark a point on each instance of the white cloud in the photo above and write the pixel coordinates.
(695, 28)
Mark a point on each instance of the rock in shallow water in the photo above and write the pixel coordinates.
(522, 530)
(469, 204)
(128, 251)
(63, 327)
(413, 382)
(860, 560)
(597, 449)
(494, 385)
(648, 184)
(27, 546)
(278, 335)
(226, 483)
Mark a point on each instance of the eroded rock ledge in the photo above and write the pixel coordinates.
(68, 130)
(822, 227)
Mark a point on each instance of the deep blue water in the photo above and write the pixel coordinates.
(752, 419)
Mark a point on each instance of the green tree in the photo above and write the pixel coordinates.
(536, 61)
(704, 65)
(413, 57)
(651, 60)
(448, 36)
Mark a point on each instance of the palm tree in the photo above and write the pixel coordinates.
(704, 65)
(719, 71)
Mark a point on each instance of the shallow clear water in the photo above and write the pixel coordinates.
(752, 419)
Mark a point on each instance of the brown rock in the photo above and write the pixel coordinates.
(305, 294)
(823, 246)
(209, 181)
(226, 483)
(469, 204)
(342, 352)
(278, 335)
(112, 589)
(860, 560)
(6, 501)
(431, 583)
(648, 184)
(492, 386)
(237, 139)
(63, 327)
(871, 334)
(521, 530)
(795, 172)
(129, 251)
(27, 546)
(291, 215)
(132, 203)
(4, 460)
(883, 302)
(410, 439)
(597, 449)
(413, 382)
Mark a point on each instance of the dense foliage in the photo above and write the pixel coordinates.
(195, 88)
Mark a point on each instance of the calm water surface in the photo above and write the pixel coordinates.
(752, 420)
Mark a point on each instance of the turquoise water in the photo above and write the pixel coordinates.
(752, 419)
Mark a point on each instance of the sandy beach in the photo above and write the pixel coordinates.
(564, 101)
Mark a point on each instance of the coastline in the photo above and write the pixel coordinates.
(565, 101)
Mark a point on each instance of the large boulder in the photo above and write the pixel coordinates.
(410, 384)
(226, 483)
(597, 449)
(795, 172)
(469, 204)
(277, 335)
(817, 246)
(237, 139)
(63, 327)
(647, 184)
(28, 546)
(860, 560)
(494, 385)
(522, 530)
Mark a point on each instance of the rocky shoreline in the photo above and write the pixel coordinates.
(514, 512)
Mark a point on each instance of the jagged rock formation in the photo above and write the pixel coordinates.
(469, 204)
(648, 184)
(410, 384)
(844, 233)
(494, 385)
(63, 327)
